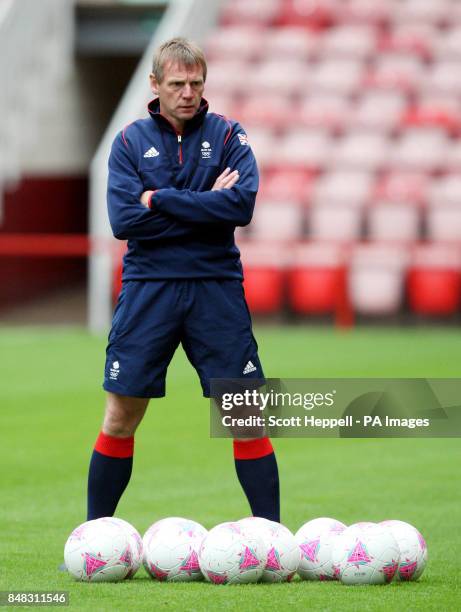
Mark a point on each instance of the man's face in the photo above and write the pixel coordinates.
(179, 92)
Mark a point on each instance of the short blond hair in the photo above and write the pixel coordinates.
(179, 51)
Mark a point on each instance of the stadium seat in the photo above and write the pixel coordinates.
(221, 104)
(377, 13)
(340, 76)
(277, 221)
(328, 111)
(300, 148)
(376, 278)
(334, 223)
(393, 222)
(446, 191)
(316, 14)
(290, 42)
(396, 186)
(419, 39)
(361, 150)
(266, 77)
(444, 223)
(262, 12)
(379, 111)
(226, 77)
(442, 112)
(348, 41)
(259, 109)
(315, 281)
(453, 160)
(264, 143)
(237, 42)
(396, 71)
(434, 280)
(436, 12)
(449, 45)
(263, 266)
(343, 189)
(443, 77)
(420, 149)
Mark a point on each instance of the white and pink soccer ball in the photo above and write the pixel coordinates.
(135, 544)
(366, 554)
(98, 551)
(413, 549)
(171, 548)
(231, 555)
(282, 550)
(316, 540)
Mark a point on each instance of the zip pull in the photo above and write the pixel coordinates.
(180, 148)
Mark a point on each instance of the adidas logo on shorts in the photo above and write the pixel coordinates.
(250, 367)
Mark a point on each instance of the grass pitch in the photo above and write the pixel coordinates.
(51, 409)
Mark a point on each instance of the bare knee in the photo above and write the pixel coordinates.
(123, 415)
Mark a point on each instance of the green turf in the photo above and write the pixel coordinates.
(51, 409)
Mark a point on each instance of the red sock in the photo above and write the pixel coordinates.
(114, 447)
(252, 449)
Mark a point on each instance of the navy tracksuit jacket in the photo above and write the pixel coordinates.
(189, 233)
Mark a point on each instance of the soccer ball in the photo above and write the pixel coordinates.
(135, 542)
(171, 548)
(367, 554)
(98, 551)
(316, 540)
(282, 550)
(413, 550)
(231, 555)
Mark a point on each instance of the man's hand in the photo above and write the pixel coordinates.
(145, 198)
(226, 180)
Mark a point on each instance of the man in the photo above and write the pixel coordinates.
(180, 181)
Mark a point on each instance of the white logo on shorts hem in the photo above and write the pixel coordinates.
(152, 152)
(250, 367)
(114, 371)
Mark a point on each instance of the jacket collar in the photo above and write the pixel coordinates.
(154, 111)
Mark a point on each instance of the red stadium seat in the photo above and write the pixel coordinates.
(336, 76)
(403, 186)
(377, 12)
(263, 266)
(316, 280)
(312, 13)
(434, 280)
(376, 278)
(265, 77)
(419, 39)
(449, 44)
(443, 78)
(226, 77)
(238, 42)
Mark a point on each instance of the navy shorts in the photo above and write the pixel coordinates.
(209, 318)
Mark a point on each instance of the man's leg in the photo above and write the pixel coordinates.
(112, 459)
(257, 472)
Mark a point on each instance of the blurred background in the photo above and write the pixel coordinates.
(352, 107)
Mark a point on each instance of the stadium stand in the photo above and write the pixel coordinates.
(353, 110)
